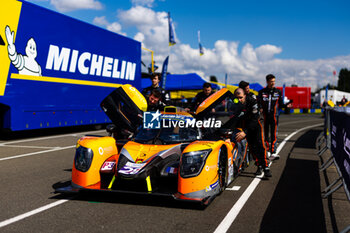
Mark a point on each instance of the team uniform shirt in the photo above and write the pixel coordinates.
(246, 116)
(198, 99)
(270, 100)
(158, 106)
(165, 95)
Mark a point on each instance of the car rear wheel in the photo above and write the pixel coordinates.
(222, 171)
(248, 159)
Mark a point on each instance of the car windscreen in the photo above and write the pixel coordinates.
(224, 110)
(146, 135)
(177, 134)
(166, 135)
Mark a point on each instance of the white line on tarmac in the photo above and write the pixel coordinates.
(232, 214)
(30, 213)
(234, 188)
(33, 147)
(51, 137)
(35, 153)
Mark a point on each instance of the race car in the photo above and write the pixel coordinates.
(160, 153)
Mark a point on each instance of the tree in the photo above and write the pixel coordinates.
(344, 80)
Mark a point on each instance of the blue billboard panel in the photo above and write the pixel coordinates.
(56, 70)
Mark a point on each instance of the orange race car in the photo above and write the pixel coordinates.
(172, 152)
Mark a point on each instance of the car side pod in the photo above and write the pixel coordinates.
(91, 153)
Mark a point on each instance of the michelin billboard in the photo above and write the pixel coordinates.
(55, 70)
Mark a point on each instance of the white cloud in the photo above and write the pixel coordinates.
(139, 16)
(148, 3)
(139, 37)
(71, 5)
(250, 63)
(266, 52)
(249, 54)
(152, 27)
(102, 21)
(113, 27)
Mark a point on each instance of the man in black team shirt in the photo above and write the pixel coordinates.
(154, 102)
(201, 96)
(249, 121)
(245, 86)
(270, 100)
(155, 78)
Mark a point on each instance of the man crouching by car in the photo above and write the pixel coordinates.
(154, 101)
(252, 131)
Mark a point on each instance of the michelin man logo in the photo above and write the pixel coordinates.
(26, 64)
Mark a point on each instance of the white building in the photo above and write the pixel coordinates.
(333, 95)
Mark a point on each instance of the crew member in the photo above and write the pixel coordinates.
(270, 100)
(201, 96)
(252, 131)
(154, 102)
(245, 86)
(155, 78)
(343, 101)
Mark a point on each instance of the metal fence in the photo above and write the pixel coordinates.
(336, 139)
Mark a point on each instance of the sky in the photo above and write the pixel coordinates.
(300, 42)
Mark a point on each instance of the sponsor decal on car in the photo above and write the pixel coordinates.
(207, 168)
(107, 166)
(131, 168)
(172, 170)
(139, 160)
(212, 186)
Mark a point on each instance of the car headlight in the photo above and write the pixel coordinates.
(83, 158)
(193, 162)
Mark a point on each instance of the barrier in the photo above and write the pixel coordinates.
(340, 144)
(336, 138)
(298, 110)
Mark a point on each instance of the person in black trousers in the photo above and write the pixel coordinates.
(270, 100)
(252, 131)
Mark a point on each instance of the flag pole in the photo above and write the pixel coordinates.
(171, 43)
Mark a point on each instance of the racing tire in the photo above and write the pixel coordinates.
(237, 167)
(222, 170)
(248, 159)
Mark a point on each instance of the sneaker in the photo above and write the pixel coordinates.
(267, 172)
(258, 171)
(268, 154)
(274, 157)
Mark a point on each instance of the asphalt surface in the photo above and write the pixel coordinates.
(32, 164)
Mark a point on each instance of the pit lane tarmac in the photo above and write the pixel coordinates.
(290, 201)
